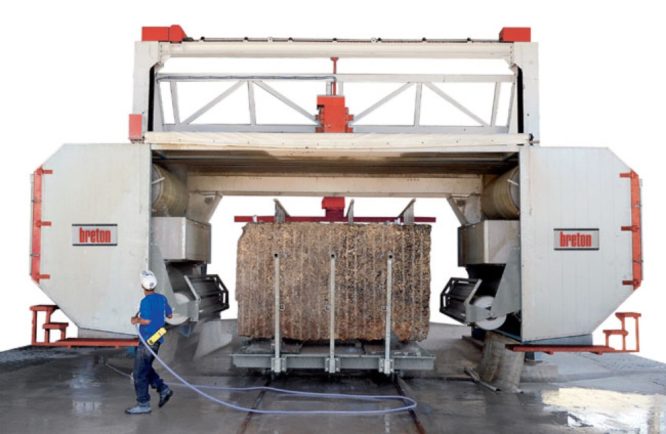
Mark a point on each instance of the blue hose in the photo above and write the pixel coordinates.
(408, 403)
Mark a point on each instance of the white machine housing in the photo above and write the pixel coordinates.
(557, 292)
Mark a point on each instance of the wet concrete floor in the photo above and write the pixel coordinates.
(86, 391)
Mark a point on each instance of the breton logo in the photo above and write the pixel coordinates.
(95, 235)
(576, 239)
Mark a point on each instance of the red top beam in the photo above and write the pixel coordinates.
(327, 219)
(335, 212)
(173, 33)
(516, 34)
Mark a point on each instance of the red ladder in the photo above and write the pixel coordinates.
(49, 325)
(622, 316)
(596, 349)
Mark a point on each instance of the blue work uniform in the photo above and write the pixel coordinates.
(154, 307)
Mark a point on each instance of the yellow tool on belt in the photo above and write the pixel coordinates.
(156, 337)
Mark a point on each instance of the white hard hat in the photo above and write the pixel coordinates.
(148, 280)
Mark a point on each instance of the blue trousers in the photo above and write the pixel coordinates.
(144, 374)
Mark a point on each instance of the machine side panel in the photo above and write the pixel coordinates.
(98, 200)
(570, 292)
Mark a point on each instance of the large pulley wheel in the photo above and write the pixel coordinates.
(485, 302)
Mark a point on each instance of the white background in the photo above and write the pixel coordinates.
(66, 76)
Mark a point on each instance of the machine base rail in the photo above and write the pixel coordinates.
(89, 342)
(259, 355)
(49, 325)
(596, 349)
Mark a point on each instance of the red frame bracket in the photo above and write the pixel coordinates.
(596, 349)
(173, 33)
(516, 34)
(37, 224)
(333, 115)
(636, 230)
(49, 325)
(135, 133)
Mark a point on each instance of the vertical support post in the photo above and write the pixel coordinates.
(417, 104)
(334, 84)
(407, 214)
(47, 332)
(175, 106)
(34, 327)
(525, 58)
(332, 362)
(277, 365)
(624, 334)
(251, 103)
(386, 365)
(496, 97)
(281, 213)
(512, 112)
(147, 63)
(350, 212)
(638, 335)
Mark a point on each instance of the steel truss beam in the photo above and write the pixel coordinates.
(406, 81)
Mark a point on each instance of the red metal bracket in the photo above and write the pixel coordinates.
(333, 115)
(515, 34)
(173, 33)
(596, 349)
(334, 207)
(135, 127)
(635, 228)
(37, 224)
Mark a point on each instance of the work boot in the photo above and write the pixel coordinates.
(165, 396)
(139, 409)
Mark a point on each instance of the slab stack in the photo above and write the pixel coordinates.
(361, 269)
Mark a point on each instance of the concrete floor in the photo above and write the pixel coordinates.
(75, 391)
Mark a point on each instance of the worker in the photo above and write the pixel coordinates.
(153, 311)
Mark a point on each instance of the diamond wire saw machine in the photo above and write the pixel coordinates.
(550, 236)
